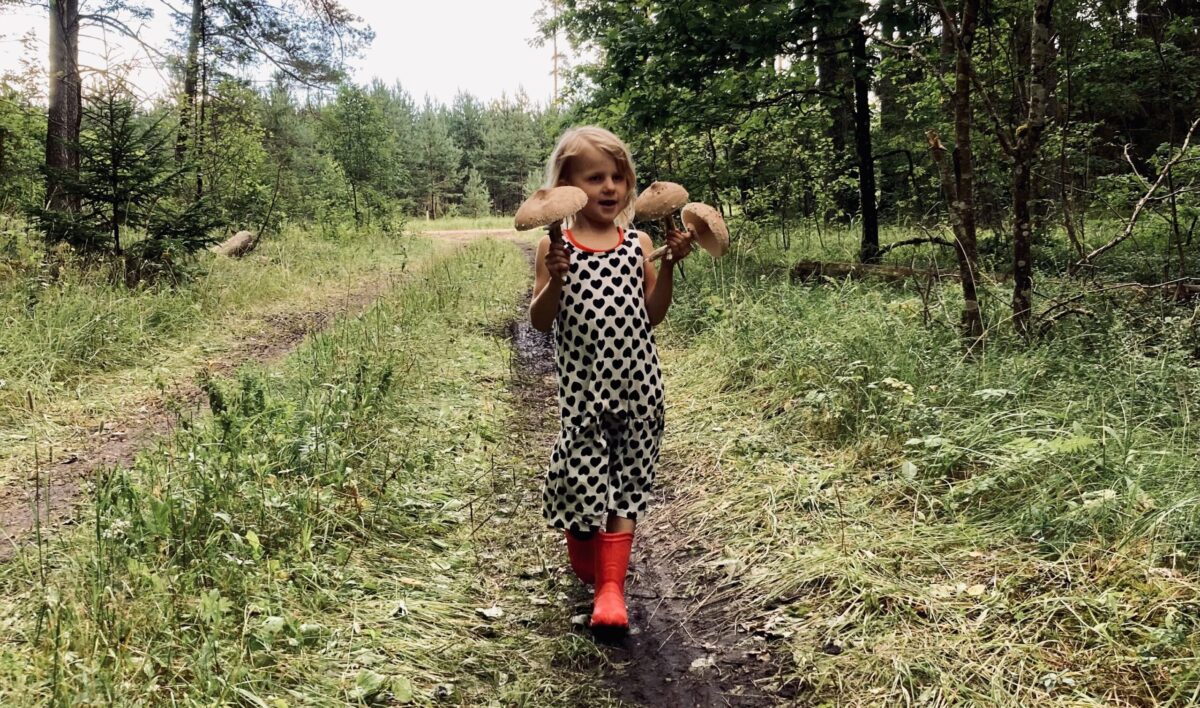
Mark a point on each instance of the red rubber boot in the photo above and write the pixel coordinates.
(612, 562)
(582, 553)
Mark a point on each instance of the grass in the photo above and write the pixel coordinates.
(77, 347)
(1016, 529)
(460, 223)
(332, 535)
(897, 523)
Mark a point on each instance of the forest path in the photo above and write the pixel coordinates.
(679, 651)
(52, 480)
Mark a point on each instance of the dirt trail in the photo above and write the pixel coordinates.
(464, 235)
(679, 652)
(45, 495)
(54, 484)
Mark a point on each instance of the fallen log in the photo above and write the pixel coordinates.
(1181, 289)
(807, 270)
(235, 246)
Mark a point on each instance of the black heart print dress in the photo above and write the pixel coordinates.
(610, 392)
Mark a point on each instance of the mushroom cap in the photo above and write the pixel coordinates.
(548, 205)
(709, 227)
(660, 200)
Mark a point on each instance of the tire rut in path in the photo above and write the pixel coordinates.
(665, 660)
(47, 496)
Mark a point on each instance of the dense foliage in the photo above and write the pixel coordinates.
(1048, 115)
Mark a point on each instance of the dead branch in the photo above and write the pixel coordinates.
(1141, 203)
(1049, 322)
(808, 270)
(1180, 286)
(913, 242)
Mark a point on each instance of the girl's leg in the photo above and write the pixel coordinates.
(619, 524)
(581, 549)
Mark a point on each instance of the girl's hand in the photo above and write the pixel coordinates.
(558, 262)
(680, 243)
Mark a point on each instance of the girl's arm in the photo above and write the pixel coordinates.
(660, 286)
(550, 267)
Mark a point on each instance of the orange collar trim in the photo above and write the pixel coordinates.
(580, 246)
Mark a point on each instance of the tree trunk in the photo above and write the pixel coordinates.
(66, 106)
(959, 187)
(972, 319)
(834, 77)
(191, 80)
(869, 250)
(1027, 138)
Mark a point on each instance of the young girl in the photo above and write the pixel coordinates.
(601, 297)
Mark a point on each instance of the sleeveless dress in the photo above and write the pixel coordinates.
(610, 394)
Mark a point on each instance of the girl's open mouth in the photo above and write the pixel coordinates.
(608, 203)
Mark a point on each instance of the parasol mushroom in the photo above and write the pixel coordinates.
(707, 226)
(660, 201)
(548, 207)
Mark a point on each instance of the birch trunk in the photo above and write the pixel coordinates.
(1027, 139)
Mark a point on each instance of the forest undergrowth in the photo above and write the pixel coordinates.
(893, 522)
(910, 525)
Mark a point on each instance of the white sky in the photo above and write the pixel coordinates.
(434, 47)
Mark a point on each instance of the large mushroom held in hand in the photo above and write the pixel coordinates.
(703, 222)
(548, 207)
(708, 226)
(659, 202)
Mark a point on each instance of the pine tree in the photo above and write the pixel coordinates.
(126, 175)
(436, 175)
(476, 200)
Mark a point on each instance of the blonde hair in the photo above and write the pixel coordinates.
(572, 143)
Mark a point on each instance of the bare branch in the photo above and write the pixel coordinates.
(1187, 284)
(913, 242)
(1141, 203)
(1129, 159)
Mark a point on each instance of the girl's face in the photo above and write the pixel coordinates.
(598, 175)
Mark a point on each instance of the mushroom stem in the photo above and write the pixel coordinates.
(664, 250)
(556, 236)
(669, 225)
